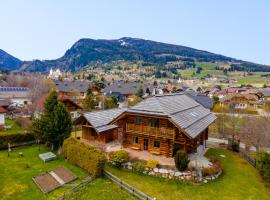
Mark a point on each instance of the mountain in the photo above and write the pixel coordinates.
(89, 52)
(8, 62)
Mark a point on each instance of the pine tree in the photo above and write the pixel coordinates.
(62, 125)
(54, 125)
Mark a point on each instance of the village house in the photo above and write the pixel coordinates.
(76, 90)
(17, 96)
(73, 108)
(3, 112)
(241, 101)
(161, 125)
(128, 88)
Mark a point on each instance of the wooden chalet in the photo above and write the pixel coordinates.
(161, 125)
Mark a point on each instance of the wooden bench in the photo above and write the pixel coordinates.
(155, 153)
(135, 148)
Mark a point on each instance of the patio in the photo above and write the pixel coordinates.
(142, 155)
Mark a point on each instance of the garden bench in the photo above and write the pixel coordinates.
(155, 152)
(135, 148)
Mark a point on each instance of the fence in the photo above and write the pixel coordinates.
(135, 192)
(82, 184)
(248, 158)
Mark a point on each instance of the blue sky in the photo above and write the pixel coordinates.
(35, 29)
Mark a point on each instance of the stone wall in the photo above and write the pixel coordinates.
(192, 176)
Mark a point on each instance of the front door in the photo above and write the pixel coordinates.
(145, 144)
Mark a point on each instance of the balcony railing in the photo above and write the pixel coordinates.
(151, 131)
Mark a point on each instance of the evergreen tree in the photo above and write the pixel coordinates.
(50, 102)
(54, 125)
(62, 125)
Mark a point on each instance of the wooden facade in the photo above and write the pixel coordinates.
(90, 134)
(155, 134)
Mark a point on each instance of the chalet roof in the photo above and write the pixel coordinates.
(184, 111)
(101, 120)
(204, 100)
(67, 86)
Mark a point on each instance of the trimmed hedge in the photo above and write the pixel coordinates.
(14, 139)
(84, 156)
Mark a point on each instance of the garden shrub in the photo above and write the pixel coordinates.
(181, 160)
(84, 156)
(214, 169)
(138, 166)
(152, 163)
(14, 139)
(119, 157)
(263, 165)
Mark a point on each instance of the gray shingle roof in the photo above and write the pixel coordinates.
(185, 112)
(66, 86)
(127, 88)
(204, 100)
(101, 120)
(188, 114)
(266, 92)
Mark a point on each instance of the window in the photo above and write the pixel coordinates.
(138, 120)
(153, 122)
(157, 144)
(135, 139)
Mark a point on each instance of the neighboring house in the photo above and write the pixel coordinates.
(3, 112)
(74, 89)
(241, 101)
(128, 88)
(265, 94)
(73, 108)
(161, 125)
(15, 95)
(202, 99)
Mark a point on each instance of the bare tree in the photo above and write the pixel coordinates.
(256, 132)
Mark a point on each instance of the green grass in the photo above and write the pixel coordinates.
(15, 128)
(16, 179)
(240, 181)
(101, 189)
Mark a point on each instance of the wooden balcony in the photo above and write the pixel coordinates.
(150, 131)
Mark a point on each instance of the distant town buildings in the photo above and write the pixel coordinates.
(55, 74)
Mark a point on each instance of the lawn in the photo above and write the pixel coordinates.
(16, 177)
(15, 128)
(101, 189)
(239, 181)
